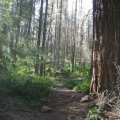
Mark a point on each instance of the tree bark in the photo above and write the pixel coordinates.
(39, 38)
(74, 39)
(42, 66)
(106, 49)
(30, 17)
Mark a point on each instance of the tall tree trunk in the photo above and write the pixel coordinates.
(39, 38)
(17, 40)
(30, 17)
(59, 35)
(42, 66)
(74, 39)
(65, 40)
(106, 49)
(49, 38)
(56, 36)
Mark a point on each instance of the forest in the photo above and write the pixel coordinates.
(59, 60)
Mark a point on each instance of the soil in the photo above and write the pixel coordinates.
(65, 105)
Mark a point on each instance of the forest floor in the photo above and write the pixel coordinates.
(65, 105)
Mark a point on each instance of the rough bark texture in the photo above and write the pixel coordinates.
(106, 49)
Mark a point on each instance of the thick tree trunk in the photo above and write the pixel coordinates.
(106, 49)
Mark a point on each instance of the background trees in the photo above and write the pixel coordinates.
(40, 39)
(47, 33)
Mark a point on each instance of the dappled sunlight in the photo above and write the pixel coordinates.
(49, 52)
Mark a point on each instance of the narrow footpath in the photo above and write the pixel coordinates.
(64, 105)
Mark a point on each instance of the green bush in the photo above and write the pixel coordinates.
(77, 85)
(34, 89)
(84, 86)
(82, 71)
(70, 83)
(94, 113)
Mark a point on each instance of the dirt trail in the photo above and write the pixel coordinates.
(65, 105)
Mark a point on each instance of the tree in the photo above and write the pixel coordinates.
(42, 66)
(39, 36)
(73, 51)
(30, 17)
(51, 36)
(106, 49)
(5, 23)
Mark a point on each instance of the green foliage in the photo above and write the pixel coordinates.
(83, 86)
(55, 70)
(79, 80)
(94, 113)
(5, 6)
(76, 84)
(82, 71)
(70, 83)
(33, 89)
(30, 87)
(5, 68)
(68, 68)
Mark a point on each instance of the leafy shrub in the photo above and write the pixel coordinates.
(94, 113)
(5, 69)
(81, 71)
(70, 83)
(54, 71)
(84, 86)
(67, 69)
(34, 89)
(77, 85)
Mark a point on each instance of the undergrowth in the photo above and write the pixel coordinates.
(94, 113)
(21, 81)
(83, 87)
(77, 84)
(79, 80)
(108, 102)
(32, 89)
